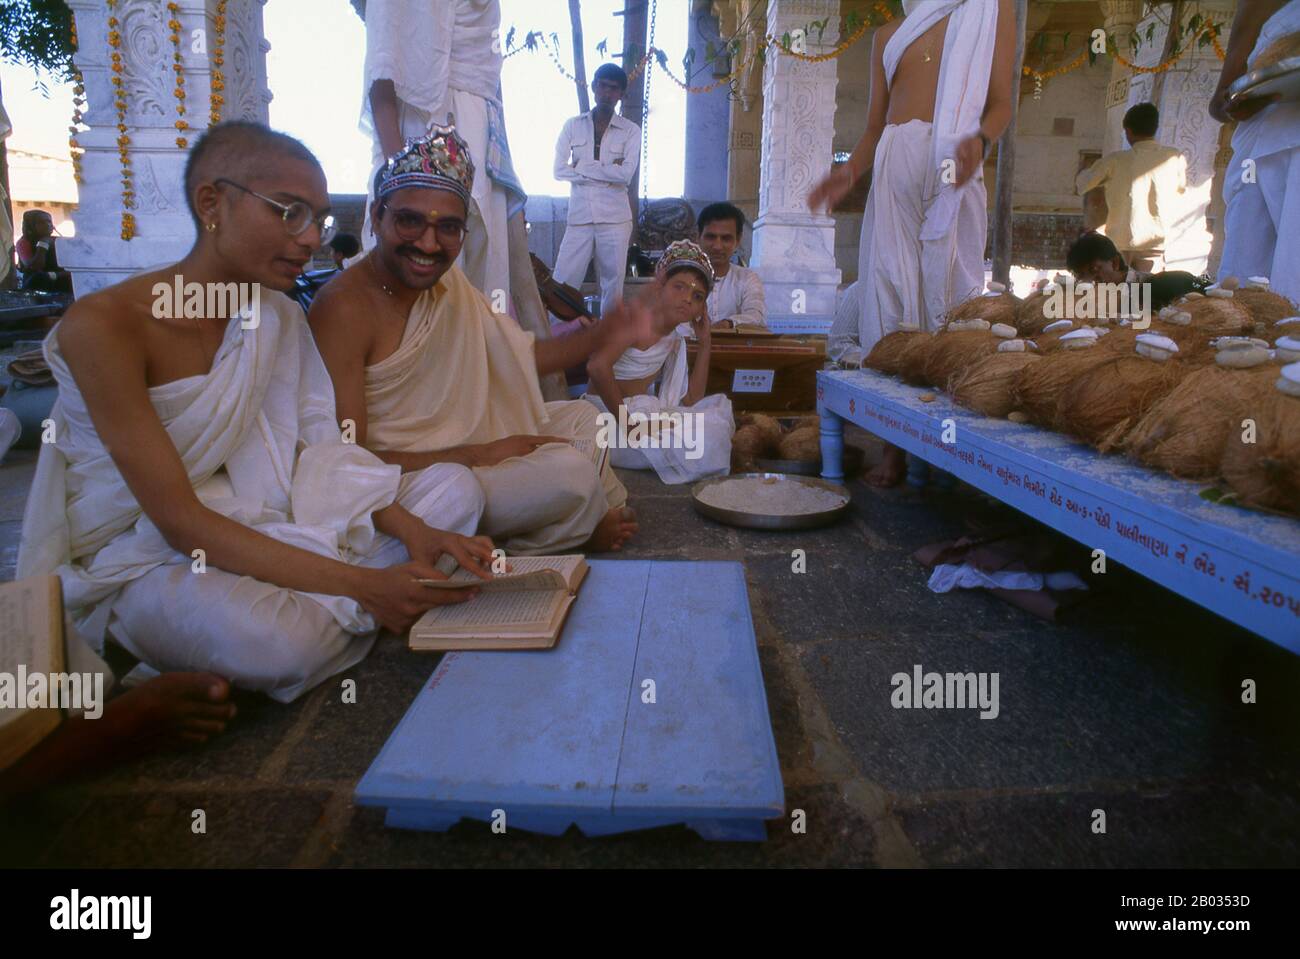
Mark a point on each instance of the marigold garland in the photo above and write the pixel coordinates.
(123, 138)
(78, 112)
(174, 25)
(218, 79)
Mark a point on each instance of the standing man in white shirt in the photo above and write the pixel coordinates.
(737, 296)
(597, 153)
(1144, 187)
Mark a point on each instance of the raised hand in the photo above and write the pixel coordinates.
(831, 190)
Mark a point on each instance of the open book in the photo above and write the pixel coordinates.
(523, 609)
(597, 453)
(31, 626)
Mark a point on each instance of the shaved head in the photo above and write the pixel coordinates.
(237, 150)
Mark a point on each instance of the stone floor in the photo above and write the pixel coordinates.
(1130, 705)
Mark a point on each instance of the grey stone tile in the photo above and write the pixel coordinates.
(253, 828)
(1195, 827)
(16, 474)
(1073, 710)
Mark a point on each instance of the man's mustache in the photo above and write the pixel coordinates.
(404, 250)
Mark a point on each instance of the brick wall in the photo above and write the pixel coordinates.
(1041, 239)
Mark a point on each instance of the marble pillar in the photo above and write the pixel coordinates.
(794, 250)
(707, 114)
(164, 230)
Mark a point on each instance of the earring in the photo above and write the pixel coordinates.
(212, 228)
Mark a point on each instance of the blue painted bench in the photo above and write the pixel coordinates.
(1243, 564)
(565, 737)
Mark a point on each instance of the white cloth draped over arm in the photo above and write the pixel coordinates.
(335, 484)
(669, 355)
(413, 48)
(961, 93)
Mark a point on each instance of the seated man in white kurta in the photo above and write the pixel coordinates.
(197, 498)
(677, 431)
(430, 373)
(737, 298)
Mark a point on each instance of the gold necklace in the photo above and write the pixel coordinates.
(374, 269)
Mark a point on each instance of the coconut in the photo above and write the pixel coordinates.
(1220, 315)
(1029, 314)
(1184, 432)
(804, 443)
(1266, 472)
(997, 308)
(768, 428)
(747, 444)
(986, 387)
(953, 352)
(1039, 385)
(1102, 404)
(803, 422)
(887, 354)
(911, 365)
(1265, 306)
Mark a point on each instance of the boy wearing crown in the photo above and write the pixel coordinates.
(658, 414)
(428, 371)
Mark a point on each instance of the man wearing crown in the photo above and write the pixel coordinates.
(428, 372)
(439, 61)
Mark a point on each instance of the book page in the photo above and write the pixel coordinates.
(594, 451)
(25, 626)
(526, 572)
(513, 610)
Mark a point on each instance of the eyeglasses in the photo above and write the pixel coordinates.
(410, 226)
(297, 216)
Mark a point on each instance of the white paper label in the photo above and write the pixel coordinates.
(753, 381)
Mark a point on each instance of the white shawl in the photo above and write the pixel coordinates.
(963, 89)
(260, 443)
(669, 354)
(462, 374)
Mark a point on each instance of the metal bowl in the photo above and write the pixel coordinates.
(852, 463)
(766, 521)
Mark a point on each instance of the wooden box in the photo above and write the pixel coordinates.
(773, 374)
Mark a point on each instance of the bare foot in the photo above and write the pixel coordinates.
(170, 710)
(615, 529)
(890, 470)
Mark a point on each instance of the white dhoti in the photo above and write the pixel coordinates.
(264, 637)
(607, 242)
(923, 237)
(552, 499)
(680, 443)
(464, 375)
(259, 441)
(1261, 185)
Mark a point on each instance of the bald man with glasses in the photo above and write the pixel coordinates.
(197, 498)
(431, 371)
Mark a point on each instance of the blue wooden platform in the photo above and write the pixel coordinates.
(563, 736)
(1242, 564)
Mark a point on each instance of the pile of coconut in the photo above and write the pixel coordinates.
(1173, 395)
(759, 436)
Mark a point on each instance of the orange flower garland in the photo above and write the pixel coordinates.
(78, 111)
(123, 139)
(218, 79)
(174, 25)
